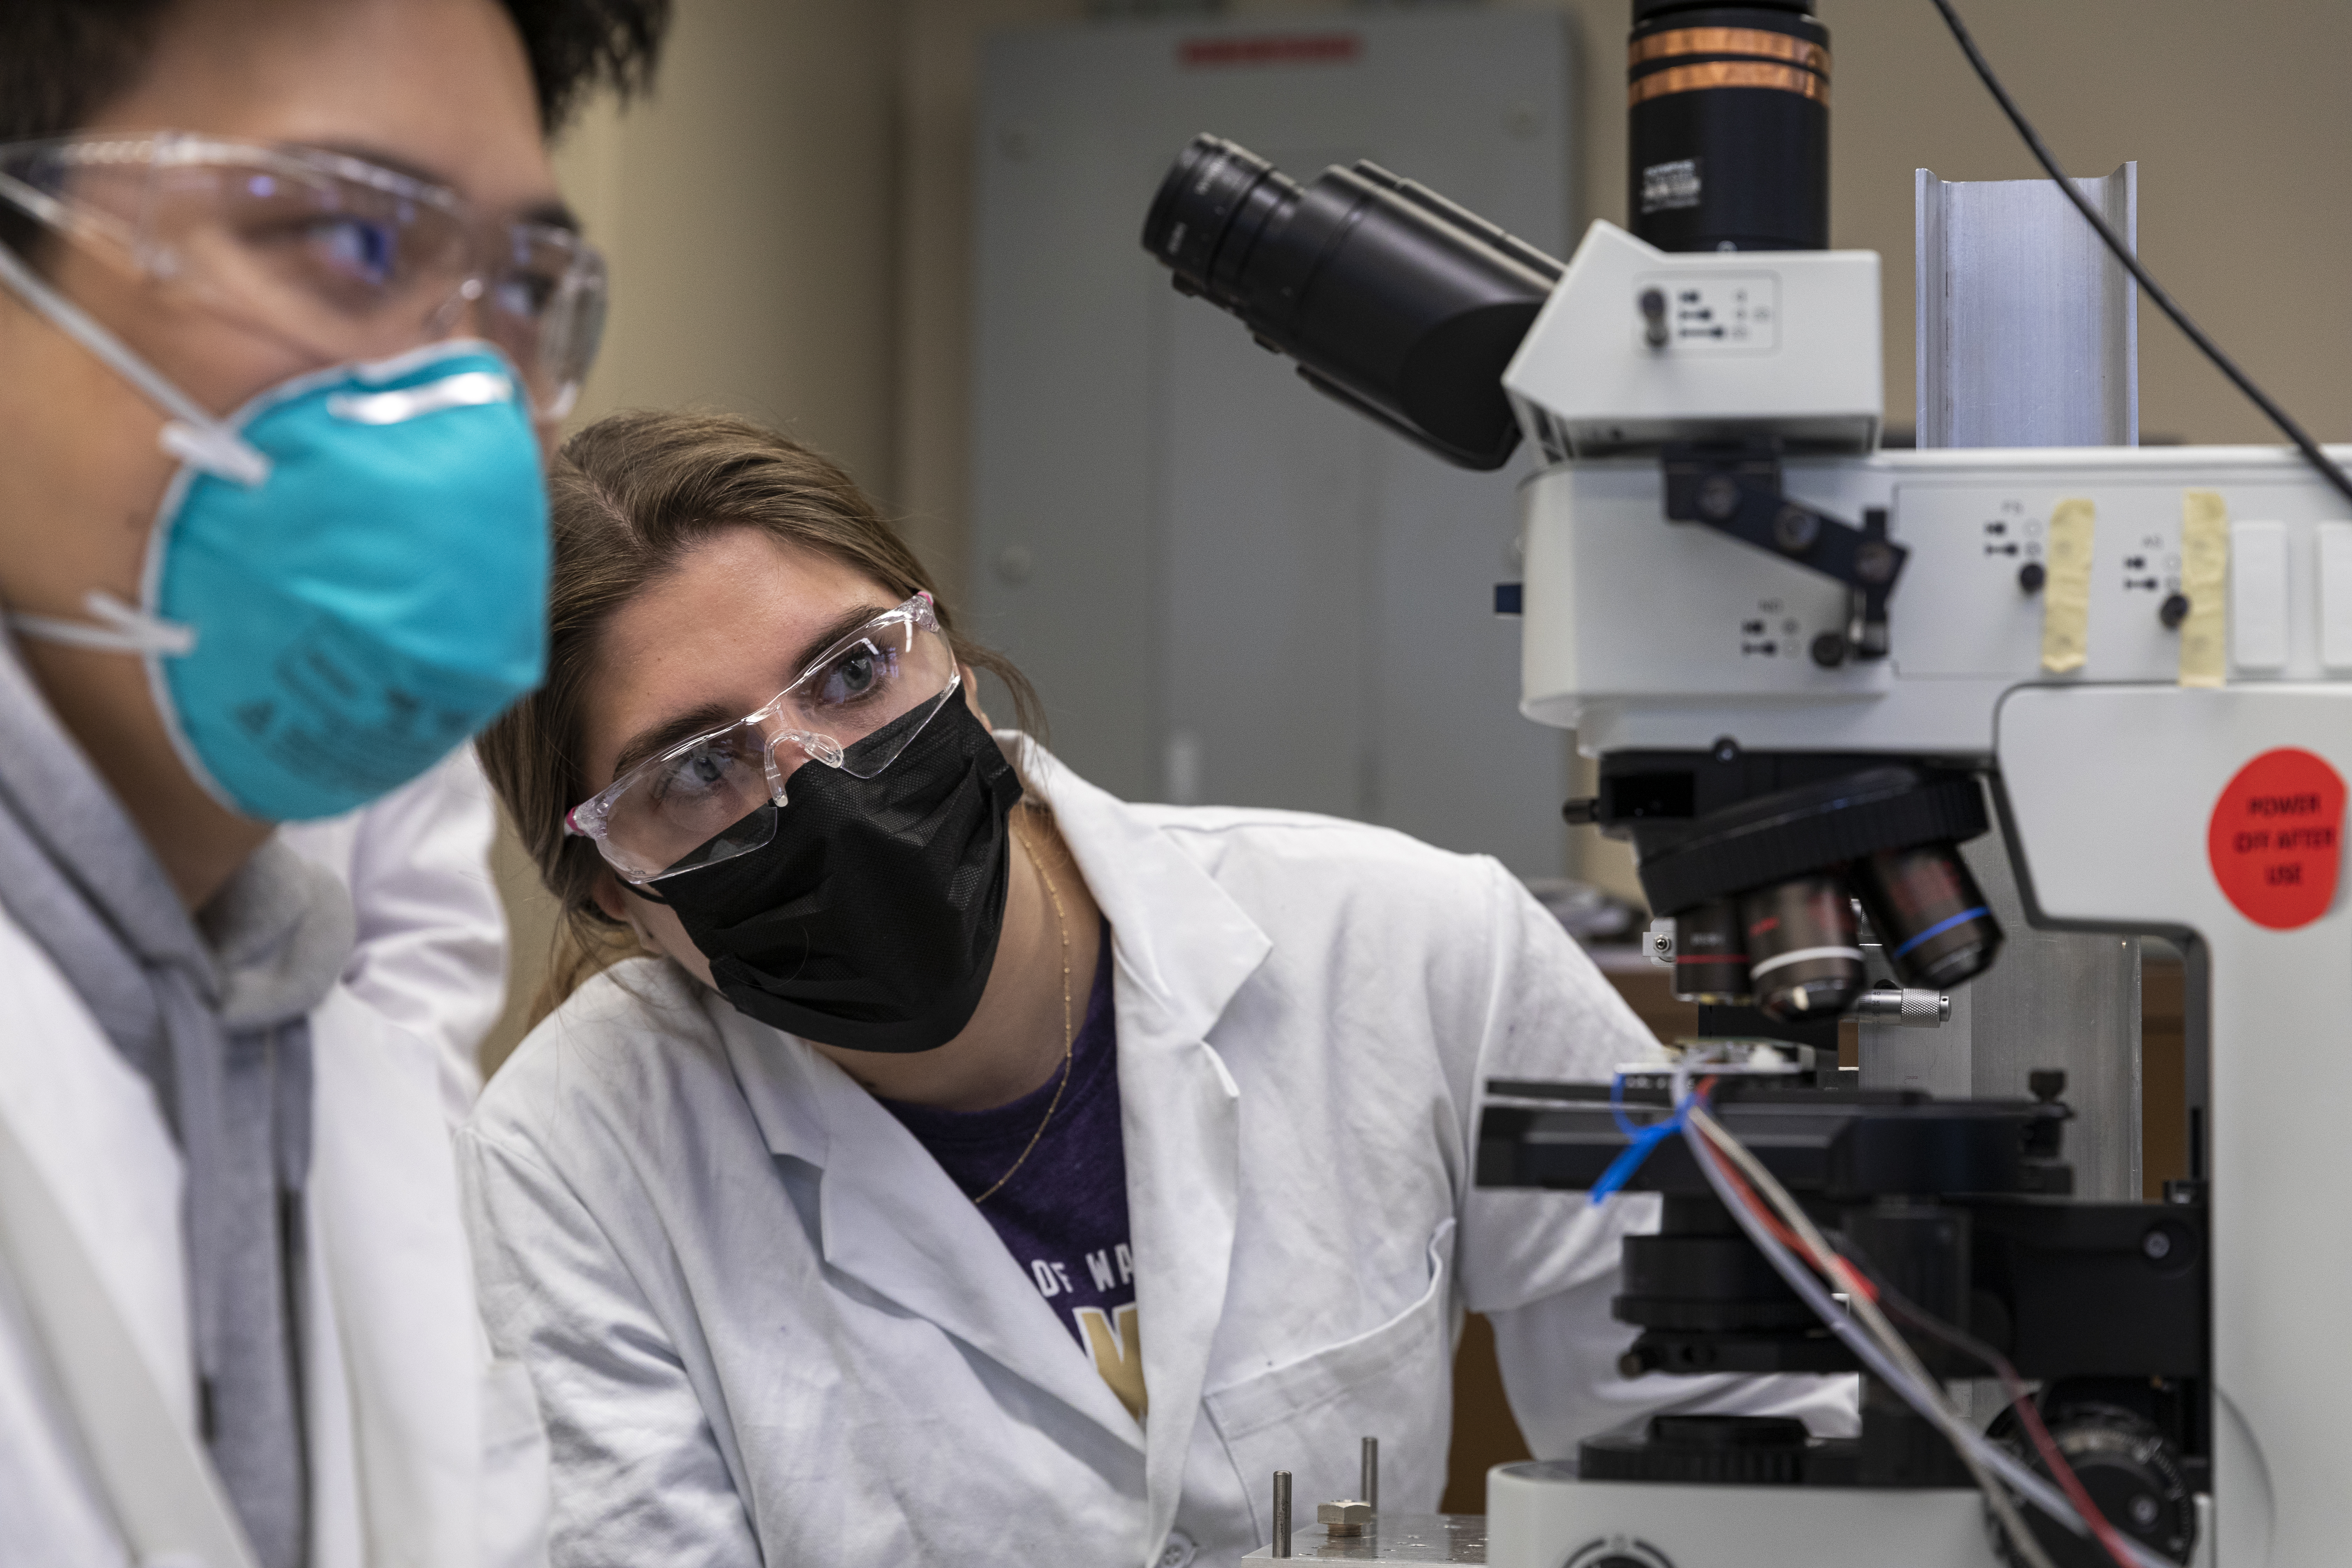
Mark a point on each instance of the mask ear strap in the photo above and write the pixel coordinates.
(119, 628)
(646, 891)
(193, 435)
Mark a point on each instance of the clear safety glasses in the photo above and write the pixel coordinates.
(708, 798)
(343, 259)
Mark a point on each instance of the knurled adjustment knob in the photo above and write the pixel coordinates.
(2131, 1473)
(1717, 1450)
(2173, 611)
(2031, 576)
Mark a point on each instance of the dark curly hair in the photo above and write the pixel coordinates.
(61, 60)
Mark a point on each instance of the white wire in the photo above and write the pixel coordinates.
(1923, 1398)
(1872, 1319)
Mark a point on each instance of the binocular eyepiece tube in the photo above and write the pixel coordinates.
(1391, 299)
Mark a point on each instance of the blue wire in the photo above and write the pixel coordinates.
(1643, 1139)
(1617, 1106)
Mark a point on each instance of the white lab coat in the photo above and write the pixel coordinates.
(423, 1451)
(766, 1327)
(431, 947)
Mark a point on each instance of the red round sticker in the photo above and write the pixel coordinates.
(2277, 839)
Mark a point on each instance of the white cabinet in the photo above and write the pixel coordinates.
(1229, 589)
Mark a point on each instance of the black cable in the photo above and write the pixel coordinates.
(2196, 334)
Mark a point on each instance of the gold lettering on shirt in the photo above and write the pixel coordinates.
(1116, 1342)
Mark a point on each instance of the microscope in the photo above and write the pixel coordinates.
(1808, 669)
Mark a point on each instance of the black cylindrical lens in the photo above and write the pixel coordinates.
(1728, 133)
(1804, 954)
(1711, 955)
(1929, 913)
(1391, 299)
(1214, 202)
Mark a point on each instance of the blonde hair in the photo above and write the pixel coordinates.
(630, 495)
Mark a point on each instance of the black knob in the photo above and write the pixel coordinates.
(1581, 811)
(1829, 650)
(2173, 611)
(1794, 529)
(1718, 497)
(2129, 1470)
(2031, 576)
(1653, 312)
(2046, 1083)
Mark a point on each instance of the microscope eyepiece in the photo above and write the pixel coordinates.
(1391, 299)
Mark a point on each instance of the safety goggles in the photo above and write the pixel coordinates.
(704, 799)
(343, 259)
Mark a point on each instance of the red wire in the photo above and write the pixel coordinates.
(1845, 1278)
(2021, 1398)
(2021, 1401)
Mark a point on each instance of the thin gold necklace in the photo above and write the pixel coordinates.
(1069, 1035)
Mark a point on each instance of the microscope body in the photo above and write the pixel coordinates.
(1809, 670)
(1747, 612)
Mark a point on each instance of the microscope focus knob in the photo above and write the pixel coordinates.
(2131, 1473)
(2173, 611)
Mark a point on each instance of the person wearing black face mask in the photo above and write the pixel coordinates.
(927, 1157)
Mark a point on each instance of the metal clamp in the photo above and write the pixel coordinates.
(1735, 490)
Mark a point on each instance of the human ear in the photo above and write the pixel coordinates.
(971, 696)
(613, 899)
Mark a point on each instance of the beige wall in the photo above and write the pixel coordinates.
(788, 217)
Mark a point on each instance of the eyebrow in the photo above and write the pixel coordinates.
(841, 626)
(657, 738)
(549, 212)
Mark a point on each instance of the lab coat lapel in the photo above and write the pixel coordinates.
(90, 1127)
(1182, 948)
(891, 1219)
(394, 1350)
(895, 1222)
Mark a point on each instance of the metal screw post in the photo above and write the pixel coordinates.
(1370, 1490)
(1281, 1547)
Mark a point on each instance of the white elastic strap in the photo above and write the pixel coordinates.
(1800, 955)
(194, 435)
(124, 628)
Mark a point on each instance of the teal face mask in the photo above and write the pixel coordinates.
(347, 577)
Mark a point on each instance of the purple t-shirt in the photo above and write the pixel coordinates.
(1063, 1214)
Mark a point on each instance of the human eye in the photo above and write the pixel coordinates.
(856, 675)
(348, 259)
(706, 778)
(358, 249)
(525, 295)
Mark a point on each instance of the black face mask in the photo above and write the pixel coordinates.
(869, 921)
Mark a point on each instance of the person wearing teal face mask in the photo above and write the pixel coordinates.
(288, 303)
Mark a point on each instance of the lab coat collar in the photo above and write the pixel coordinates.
(891, 1218)
(1182, 948)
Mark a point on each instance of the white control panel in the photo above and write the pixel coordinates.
(1713, 311)
(1746, 343)
(1605, 572)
